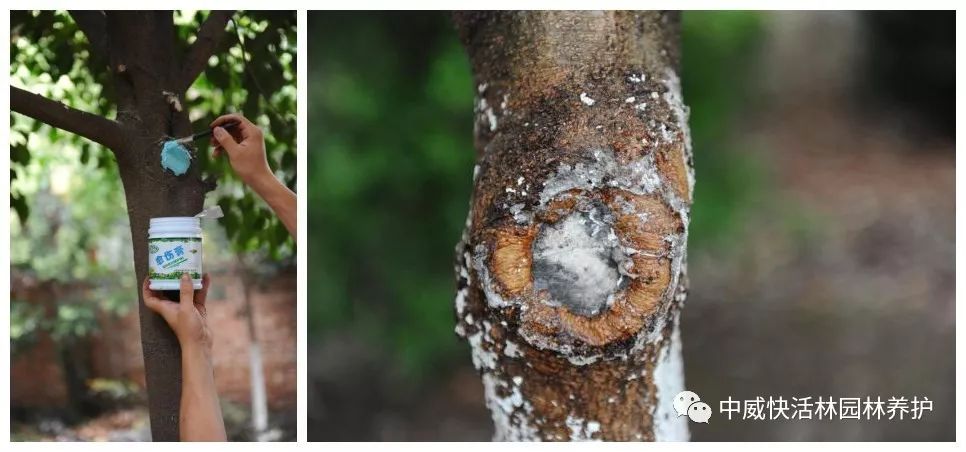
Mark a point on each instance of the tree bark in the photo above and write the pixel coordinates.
(206, 41)
(149, 82)
(571, 270)
(95, 128)
(94, 26)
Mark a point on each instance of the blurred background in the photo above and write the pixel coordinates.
(77, 372)
(821, 248)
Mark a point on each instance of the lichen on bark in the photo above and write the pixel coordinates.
(571, 269)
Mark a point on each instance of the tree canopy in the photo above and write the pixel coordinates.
(70, 222)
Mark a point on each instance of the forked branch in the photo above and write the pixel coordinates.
(206, 41)
(94, 26)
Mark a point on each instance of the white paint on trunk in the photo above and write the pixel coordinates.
(601, 170)
(461, 300)
(488, 116)
(669, 381)
(511, 349)
(519, 215)
(581, 430)
(582, 360)
(483, 359)
(511, 413)
(258, 393)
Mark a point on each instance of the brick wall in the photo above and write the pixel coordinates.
(37, 380)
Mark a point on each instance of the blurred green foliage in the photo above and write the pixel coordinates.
(252, 72)
(719, 49)
(71, 244)
(69, 228)
(391, 158)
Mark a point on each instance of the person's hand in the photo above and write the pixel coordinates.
(245, 146)
(200, 412)
(187, 317)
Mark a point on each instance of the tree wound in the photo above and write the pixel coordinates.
(577, 261)
(591, 271)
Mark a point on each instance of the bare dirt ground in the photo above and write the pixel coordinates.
(132, 424)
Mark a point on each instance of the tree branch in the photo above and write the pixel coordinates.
(93, 127)
(207, 39)
(94, 26)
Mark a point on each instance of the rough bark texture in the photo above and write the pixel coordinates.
(148, 80)
(571, 269)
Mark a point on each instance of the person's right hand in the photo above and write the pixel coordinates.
(245, 146)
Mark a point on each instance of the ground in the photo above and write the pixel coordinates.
(131, 424)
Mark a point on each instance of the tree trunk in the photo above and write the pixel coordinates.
(141, 60)
(571, 270)
(148, 78)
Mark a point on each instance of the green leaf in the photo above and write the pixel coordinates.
(19, 154)
(19, 205)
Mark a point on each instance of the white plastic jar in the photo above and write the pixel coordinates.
(174, 248)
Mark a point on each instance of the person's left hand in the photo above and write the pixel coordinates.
(188, 318)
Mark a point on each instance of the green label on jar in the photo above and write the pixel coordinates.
(168, 258)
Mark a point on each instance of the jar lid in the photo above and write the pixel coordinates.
(163, 225)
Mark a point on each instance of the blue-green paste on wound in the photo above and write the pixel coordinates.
(175, 157)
